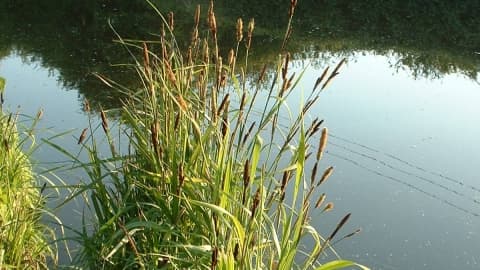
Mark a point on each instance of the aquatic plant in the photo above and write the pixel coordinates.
(204, 182)
(25, 243)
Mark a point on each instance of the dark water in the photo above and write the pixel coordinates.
(403, 113)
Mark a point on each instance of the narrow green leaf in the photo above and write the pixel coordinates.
(2, 84)
(340, 264)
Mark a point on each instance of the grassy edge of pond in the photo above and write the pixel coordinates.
(25, 242)
(198, 187)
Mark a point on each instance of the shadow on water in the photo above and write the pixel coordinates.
(429, 39)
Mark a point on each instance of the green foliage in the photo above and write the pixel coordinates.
(2, 85)
(203, 184)
(23, 239)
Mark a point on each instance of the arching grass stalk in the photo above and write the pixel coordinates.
(195, 189)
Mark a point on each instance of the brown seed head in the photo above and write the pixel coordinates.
(86, 105)
(194, 35)
(197, 16)
(170, 73)
(212, 22)
(248, 133)
(236, 251)
(334, 73)
(171, 21)
(246, 173)
(320, 79)
(256, 201)
(214, 258)
(285, 178)
(320, 200)
(239, 29)
(181, 175)
(328, 172)
(357, 231)
(293, 4)
(314, 173)
(82, 136)
(328, 207)
(182, 103)
(206, 53)
(146, 57)
(339, 226)
(5, 144)
(323, 143)
(231, 57)
(104, 121)
(251, 26)
(40, 114)
(225, 100)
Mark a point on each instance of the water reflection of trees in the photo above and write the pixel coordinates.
(430, 38)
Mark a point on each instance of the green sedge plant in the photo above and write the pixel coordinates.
(204, 181)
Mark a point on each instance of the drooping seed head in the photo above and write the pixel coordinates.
(339, 226)
(334, 73)
(328, 207)
(320, 79)
(82, 136)
(320, 200)
(357, 231)
(326, 174)
(323, 143)
(314, 173)
(40, 113)
(248, 133)
(104, 121)
(225, 100)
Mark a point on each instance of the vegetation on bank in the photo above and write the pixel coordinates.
(208, 178)
(24, 240)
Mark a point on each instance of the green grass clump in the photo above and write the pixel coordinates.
(23, 239)
(204, 182)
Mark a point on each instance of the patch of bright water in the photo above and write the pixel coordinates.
(405, 153)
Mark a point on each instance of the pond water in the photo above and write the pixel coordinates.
(403, 113)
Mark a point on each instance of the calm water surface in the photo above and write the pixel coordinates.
(404, 123)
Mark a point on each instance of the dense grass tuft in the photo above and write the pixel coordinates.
(205, 181)
(23, 239)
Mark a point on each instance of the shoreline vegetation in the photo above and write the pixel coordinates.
(204, 182)
(24, 239)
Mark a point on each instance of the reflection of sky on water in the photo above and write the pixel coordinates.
(405, 153)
